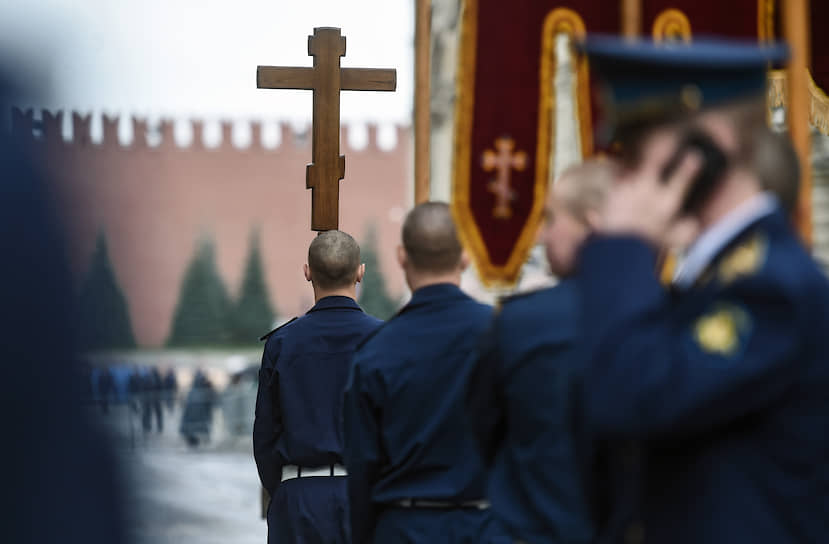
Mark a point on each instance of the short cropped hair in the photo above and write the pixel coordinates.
(430, 238)
(584, 187)
(333, 257)
(777, 166)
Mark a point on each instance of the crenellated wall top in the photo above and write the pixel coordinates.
(134, 133)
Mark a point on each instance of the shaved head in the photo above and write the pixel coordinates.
(334, 260)
(430, 239)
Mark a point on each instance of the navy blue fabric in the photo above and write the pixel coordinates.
(309, 511)
(524, 404)
(407, 436)
(707, 52)
(298, 409)
(736, 440)
(62, 482)
(464, 526)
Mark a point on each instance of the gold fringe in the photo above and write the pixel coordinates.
(776, 88)
(818, 101)
(819, 107)
(765, 20)
(558, 20)
(671, 24)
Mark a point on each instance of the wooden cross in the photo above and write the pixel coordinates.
(326, 79)
(503, 161)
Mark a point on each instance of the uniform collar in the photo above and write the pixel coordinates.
(335, 302)
(711, 242)
(436, 291)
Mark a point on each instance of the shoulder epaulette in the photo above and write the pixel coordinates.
(744, 259)
(268, 335)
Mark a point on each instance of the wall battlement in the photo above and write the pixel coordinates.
(161, 135)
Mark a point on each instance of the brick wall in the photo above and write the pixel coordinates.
(154, 202)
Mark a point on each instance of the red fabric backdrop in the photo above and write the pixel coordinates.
(506, 103)
(504, 96)
(735, 18)
(820, 43)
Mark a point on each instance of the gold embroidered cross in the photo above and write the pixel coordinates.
(503, 161)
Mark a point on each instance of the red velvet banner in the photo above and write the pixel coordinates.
(732, 18)
(504, 124)
(820, 43)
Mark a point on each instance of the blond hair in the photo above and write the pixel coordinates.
(583, 187)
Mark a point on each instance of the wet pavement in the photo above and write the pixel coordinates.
(200, 496)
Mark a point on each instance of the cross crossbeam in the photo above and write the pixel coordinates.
(326, 79)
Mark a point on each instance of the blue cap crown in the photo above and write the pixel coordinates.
(640, 80)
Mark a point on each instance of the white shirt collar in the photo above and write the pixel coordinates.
(720, 234)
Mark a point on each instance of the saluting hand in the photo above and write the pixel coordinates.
(644, 204)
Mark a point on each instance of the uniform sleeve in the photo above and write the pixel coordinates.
(267, 424)
(362, 452)
(483, 405)
(654, 369)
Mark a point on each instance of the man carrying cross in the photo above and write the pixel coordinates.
(297, 441)
(297, 438)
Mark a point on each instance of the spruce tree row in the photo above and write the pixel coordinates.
(374, 298)
(205, 315)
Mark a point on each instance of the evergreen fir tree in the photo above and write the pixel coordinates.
(202, 315)
(252, 313)
(374, 297)
(104, 314)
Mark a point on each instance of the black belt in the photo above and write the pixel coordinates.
(480, 504)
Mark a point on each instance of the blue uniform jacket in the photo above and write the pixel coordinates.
(304, 369)
(728, 384)
(523, 402)
(407, 435)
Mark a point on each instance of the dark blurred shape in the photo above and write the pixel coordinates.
(103, 386)
(170, 388)
(104, 319)
(151, 393)
(61, 484)
(198, 411)
(645, 83)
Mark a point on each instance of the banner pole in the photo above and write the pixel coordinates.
(631, 18)
(796, 33)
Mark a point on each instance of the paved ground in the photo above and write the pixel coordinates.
(182, 496)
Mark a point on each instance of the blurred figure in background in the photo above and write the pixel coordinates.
(239, 397)
(724, 379)
(522, 393)
(170, 388)
(197, 419)
(154, 391)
